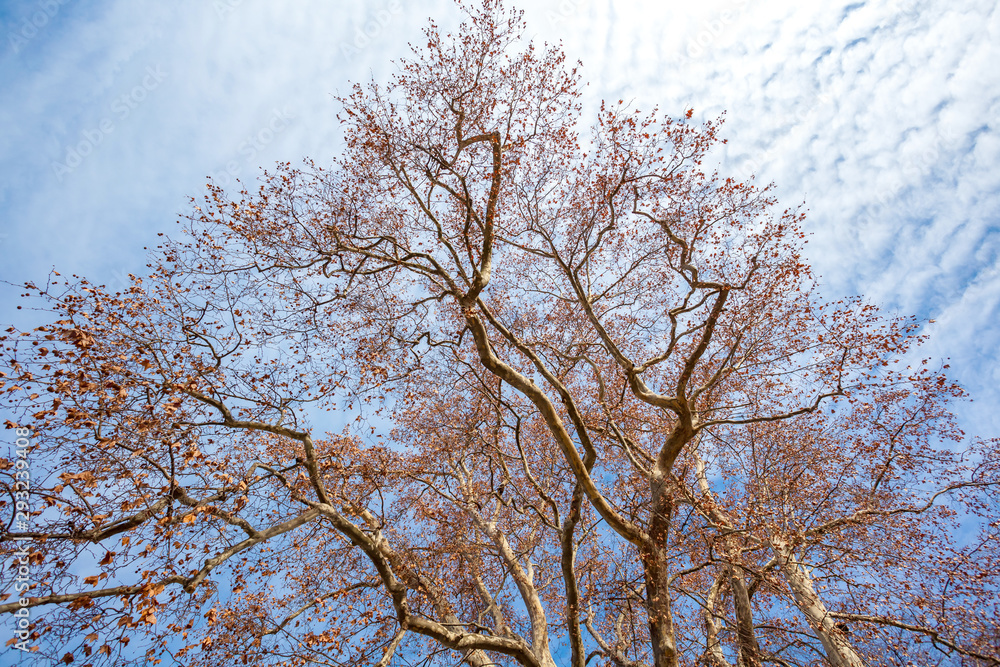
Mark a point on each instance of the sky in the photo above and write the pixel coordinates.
(881, 116)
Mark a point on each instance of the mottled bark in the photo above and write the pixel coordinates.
(839, 650)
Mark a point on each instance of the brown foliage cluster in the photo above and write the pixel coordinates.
(600, 414)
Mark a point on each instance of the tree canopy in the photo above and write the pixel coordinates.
(600, 413)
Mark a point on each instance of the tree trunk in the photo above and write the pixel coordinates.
(749, 648)
(654, 560)
(838, 649)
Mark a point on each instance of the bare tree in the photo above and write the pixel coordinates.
(605, 415)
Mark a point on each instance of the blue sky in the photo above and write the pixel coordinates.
(882, 116)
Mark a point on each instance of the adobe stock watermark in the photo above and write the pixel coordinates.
(22, 524)
(364, 35)
(565, 10)
(30, 25)
(122, 279)
(224, 8)
(801, 113)
(122, 107)
(710, 30)
(253, 144)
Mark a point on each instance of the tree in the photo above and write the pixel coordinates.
(601, 413)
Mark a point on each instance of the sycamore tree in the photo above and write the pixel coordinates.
(598, 414)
